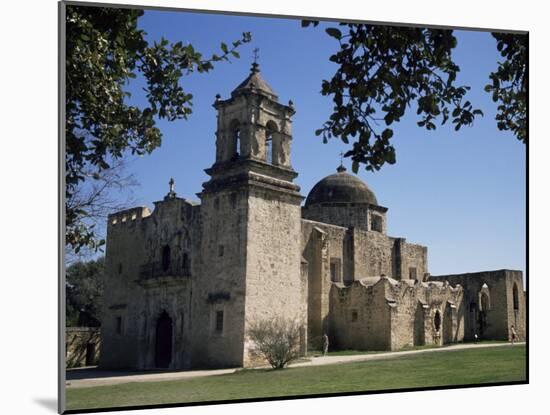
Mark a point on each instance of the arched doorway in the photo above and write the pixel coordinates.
(448, 325)
(419, 335)
(163, 343)
(166, 256)
(482, 316)
(437, 321)
(437, 328)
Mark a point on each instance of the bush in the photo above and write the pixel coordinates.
(276, 340)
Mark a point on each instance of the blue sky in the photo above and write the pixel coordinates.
(460, 193)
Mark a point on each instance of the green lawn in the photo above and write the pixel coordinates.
(350, 352)
(473, 366)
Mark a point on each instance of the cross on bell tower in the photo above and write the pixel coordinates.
(171, 193)
(255, 64)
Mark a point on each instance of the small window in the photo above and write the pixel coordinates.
(165, 258)
(354, 315)
(119, 268)
(216, 203)
(335, 269)
(412, 273)
(473, 307)
(376, 223)
(219, 320)
(515, 296)
(119, 325)
(233, 200)
(220, 250)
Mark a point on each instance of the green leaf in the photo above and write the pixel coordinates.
(387, 134)
(332, 31)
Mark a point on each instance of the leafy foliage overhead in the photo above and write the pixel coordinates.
(383, 71)
(104, 51)
(509, 84)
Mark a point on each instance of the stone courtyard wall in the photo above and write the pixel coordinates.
(384, 314)
(501, 313)
(321, 244)
(82, 346)
(360, 317)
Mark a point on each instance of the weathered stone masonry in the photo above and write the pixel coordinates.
(185, 281)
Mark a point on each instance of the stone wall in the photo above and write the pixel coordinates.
(373, 254)
(349, 215)
(384, 314)
(274, 287)
(360, 317)
(82, 346)
(321, 246)
(150, 261)
(501, 313)
(222, 285)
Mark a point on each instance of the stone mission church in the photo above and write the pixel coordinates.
(185, 281)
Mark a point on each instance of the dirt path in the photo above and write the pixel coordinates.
(81, 378)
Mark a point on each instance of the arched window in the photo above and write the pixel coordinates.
(236, 137)
(165, 263)
(484, 302)
(269, 148)
(516, 297)
(437, 320)
(270, 130)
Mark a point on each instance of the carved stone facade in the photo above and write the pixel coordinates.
(185, 281)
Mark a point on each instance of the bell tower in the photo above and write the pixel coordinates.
(253, 125)
(251, 224)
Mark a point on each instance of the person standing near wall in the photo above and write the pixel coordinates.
(325, 344)
(513, 333)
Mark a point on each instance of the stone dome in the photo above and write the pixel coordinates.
(341, 187)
